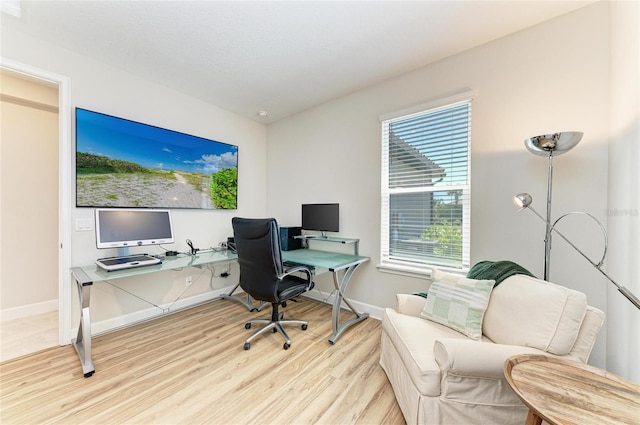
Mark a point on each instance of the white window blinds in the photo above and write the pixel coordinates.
(426, 188)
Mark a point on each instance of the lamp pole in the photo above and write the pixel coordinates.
(547, 235)
(547, 145)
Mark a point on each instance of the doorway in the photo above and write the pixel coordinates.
(34, 295)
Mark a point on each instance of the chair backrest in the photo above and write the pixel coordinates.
(259, 256)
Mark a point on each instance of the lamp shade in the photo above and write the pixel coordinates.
(554, 143)
(522, 200)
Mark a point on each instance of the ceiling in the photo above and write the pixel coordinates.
(275, 56)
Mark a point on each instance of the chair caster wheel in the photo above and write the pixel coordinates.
(304, 327)
(274, 330)
(247, 325)
(286, 346)
(247, 345)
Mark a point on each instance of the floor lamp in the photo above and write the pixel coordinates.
(524, 200)
(551, 145)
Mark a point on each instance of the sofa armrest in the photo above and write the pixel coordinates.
(465, 357)
(411, 305)
(591, 324)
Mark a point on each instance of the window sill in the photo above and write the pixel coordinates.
(415, 272)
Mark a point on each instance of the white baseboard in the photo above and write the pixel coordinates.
(130, 319)
(374, 312)
(28, 310)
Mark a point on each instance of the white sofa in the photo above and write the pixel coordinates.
(440, 376)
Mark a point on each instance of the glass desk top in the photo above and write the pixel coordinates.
(309, 257)
(322, 259)
(96, 274)
(327, 238)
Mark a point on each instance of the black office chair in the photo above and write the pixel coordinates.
(262, 274)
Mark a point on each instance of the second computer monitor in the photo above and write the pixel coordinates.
(321, 217)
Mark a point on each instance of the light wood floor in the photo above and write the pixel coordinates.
(28, 335)
(190, 368)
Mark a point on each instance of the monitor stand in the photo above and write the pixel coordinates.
(123, 251)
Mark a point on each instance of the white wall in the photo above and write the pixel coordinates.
(623, 324)
(101, 88)
(551, 77)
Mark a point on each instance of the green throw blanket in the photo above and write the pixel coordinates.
(493, 270)
(496, 270)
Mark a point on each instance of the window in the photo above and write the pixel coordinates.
(426, 188)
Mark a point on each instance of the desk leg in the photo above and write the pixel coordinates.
(247, 303)
(341, 283)
(82, 343)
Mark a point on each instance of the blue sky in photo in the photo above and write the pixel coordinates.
(149, 146)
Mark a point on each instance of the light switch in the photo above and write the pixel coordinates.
(84, 224)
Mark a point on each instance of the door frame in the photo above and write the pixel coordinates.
(65, 186)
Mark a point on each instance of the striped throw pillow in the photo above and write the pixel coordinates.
(458, 302)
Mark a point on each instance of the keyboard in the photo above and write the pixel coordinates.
(119, 263)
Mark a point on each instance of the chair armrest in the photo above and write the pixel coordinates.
(297, 269)
(466, 357)
(411, 305)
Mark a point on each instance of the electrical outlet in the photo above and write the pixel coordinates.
(188, 280)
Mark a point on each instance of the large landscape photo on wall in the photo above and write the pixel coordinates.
(123, 163)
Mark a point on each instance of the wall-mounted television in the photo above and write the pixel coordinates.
(321, 217)
(127, 164)
(124, 228)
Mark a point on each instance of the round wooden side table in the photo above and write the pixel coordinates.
(564, 392)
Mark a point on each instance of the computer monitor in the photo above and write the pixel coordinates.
(123, 228)
(321, 217)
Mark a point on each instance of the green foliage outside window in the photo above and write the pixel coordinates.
(224, 188)
(449, 238)
(447, 227)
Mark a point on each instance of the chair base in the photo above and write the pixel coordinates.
(276, 325)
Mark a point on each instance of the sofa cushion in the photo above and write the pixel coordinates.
(458, 302)
(534, 313)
